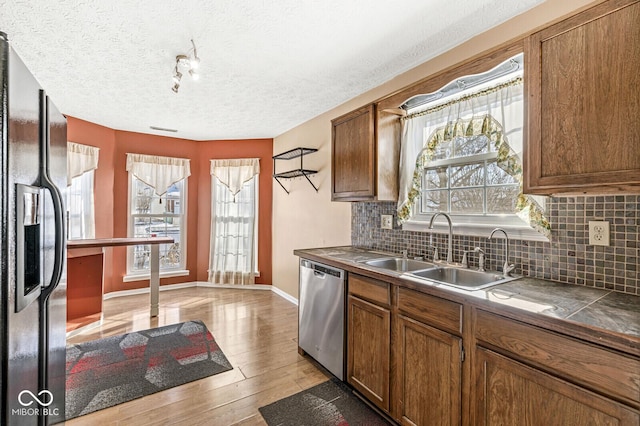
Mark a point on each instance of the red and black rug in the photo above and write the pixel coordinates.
(106, 372)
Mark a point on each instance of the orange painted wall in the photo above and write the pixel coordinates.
(112, 192)
(104, 138)
(255, 148)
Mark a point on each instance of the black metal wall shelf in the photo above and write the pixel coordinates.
(289, 155)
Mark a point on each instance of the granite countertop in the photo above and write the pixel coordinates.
(597, 313)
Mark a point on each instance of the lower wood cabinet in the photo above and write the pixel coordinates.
(368, 350)
(511, 393)
(409, 369)
(429, 374)
(405, 354)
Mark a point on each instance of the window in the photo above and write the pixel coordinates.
(157, 208)
(462, 156)
(233, 258)
(465, 179)
(80, 207)
(153, 215)
(82, 160)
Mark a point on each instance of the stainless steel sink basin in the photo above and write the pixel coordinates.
(466, 279)
(399, 264)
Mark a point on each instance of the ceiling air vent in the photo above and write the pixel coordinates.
(163, 129)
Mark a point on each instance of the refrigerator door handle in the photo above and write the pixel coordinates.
(56, 197)
(58, 260)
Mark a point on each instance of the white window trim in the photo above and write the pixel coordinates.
(183, 238)
(89, 230)
(257, 229)
(166, 274)
(477, 225)
(468, 225)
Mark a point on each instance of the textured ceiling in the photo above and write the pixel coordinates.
(266, 65)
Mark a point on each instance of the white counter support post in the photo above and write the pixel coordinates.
(154, 281)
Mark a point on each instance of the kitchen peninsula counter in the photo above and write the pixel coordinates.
(85, 266)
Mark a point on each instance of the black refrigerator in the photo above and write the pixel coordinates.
(33, 154)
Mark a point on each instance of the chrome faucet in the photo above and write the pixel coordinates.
(480, 258)
(506, 268)
(450, 242)
(435, 249)
(465, 259)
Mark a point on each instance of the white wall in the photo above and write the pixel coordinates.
(306, 219)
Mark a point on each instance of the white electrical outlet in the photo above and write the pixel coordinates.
(598, 233)
(387, 221)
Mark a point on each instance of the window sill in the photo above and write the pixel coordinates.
(166, 274)
(516, 232)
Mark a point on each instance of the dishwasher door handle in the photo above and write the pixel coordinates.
(320, 275)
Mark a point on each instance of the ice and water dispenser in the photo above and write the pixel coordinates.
(29, 257)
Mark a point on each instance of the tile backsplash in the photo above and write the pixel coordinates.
(568, 258)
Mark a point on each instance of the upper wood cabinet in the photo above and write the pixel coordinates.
(361, 168)
(353, 171)
(582, 83)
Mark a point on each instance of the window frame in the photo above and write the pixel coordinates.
(478, 225)
(89, 175)
(256, 183)
(181, 270)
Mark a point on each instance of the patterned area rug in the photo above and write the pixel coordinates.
(327, 404)
(106, 372)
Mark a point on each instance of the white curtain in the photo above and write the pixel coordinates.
(234, 173)
(82, 160)
(158, 172)
(81, 219)
(234, 184)
(504, 103)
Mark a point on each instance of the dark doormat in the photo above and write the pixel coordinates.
(329, 403)
(106, 372)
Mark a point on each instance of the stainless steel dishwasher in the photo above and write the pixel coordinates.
(321, 313)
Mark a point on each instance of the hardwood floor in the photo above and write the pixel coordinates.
(257, 331)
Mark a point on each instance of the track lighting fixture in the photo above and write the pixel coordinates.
(189, 63)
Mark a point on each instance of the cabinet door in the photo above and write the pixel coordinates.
(583, 102)
(429, 368)
(510, 393)
(368, 347)
(353, 170)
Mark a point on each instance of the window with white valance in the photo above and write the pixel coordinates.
(157, 208)
(233, 256)
(82, 160)
(158, 172)
(463, 157)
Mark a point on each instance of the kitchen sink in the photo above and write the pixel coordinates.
(466, 279)
(399, 264)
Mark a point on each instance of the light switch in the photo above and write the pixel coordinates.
(387, 221)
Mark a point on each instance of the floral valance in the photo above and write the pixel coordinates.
(233, 173)
(526, 207)
(158, 172)
(482, 114)
(80, 159)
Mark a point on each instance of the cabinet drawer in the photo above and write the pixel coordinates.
(370, 289)
(616, 374)
(432, 310)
